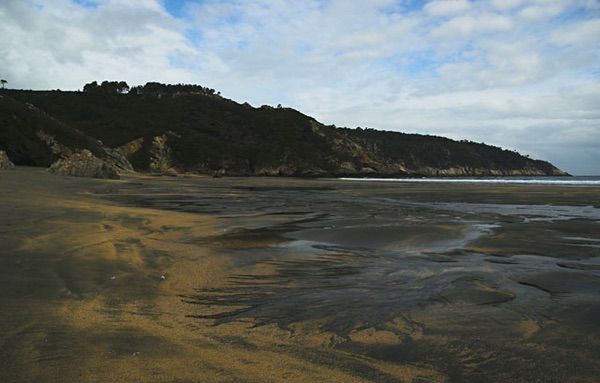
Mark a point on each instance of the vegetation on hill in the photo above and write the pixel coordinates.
(205, 133)
(417, 150)
(25, 130)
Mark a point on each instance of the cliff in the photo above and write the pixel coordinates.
(5, 162)
(183, 128)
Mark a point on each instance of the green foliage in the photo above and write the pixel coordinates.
(107, 87)
(156, 88)
(19, 126)
(438, 152)
(208, 132)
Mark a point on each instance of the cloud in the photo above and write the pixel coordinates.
(447, 7)
(542, 11)
(581, 33)
(505, 5)
(66, 44)
(521, 74)
(463, 26)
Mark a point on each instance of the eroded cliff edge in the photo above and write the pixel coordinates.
(186, 128)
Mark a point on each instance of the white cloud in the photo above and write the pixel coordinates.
(466, 25)
(542, 11)
(447, 7)
(584, 32)
(64, 45)
(522, 74)
(505, 5)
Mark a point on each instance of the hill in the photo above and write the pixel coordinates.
(189, 128)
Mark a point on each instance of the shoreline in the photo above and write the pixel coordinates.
(289, 279)
(548, 180)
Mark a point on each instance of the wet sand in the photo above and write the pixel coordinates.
(193, 279)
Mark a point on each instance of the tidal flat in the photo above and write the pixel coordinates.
(197, 279)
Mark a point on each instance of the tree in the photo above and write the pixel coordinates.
(4, 82)
(122, 87)
(107, 87)
(92, 86)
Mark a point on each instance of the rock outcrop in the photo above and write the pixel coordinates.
(115, 158)
(5, 162)
(56, 147)
(130, 148)
(84, 164)
(160, 156)
(195, 132)
(112, 157)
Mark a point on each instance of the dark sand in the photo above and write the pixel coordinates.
(194, 279)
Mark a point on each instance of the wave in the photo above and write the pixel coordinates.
(589, 181)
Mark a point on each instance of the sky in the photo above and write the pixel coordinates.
(520, 74)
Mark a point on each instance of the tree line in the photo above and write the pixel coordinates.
(151, 88)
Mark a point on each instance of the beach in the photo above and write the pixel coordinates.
(273, 279)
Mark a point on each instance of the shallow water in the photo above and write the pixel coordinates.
(575, 181)
(465, 278)
(268, 279)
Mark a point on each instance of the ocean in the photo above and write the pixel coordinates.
(574, 181)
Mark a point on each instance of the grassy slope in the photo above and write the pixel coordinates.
(19, 124)
(211, 132)
(440, 152)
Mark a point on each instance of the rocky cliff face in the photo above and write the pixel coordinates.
(112, 157)
(160, 156)
(117, 160)
(31, 136)
(195, 132)
(5, 162)
(130, 148)
(84, 164)
(380, 153)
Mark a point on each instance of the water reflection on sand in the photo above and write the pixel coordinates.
(476, 288)
(298, 280)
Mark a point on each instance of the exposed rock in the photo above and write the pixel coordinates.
(160, 160)
(241, 140)
(479, 172)
(281, 170)
(112, 156)
(368, 170)
(131, 147)
(118, 160)
(84, 164)
(312, 172)
(5, 162)
(56, 147)
(347, 168)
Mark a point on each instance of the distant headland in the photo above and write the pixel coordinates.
(110, 128)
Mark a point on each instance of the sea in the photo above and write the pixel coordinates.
(574, 180)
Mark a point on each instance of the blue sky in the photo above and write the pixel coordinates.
(521, 74)
(177, 7)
